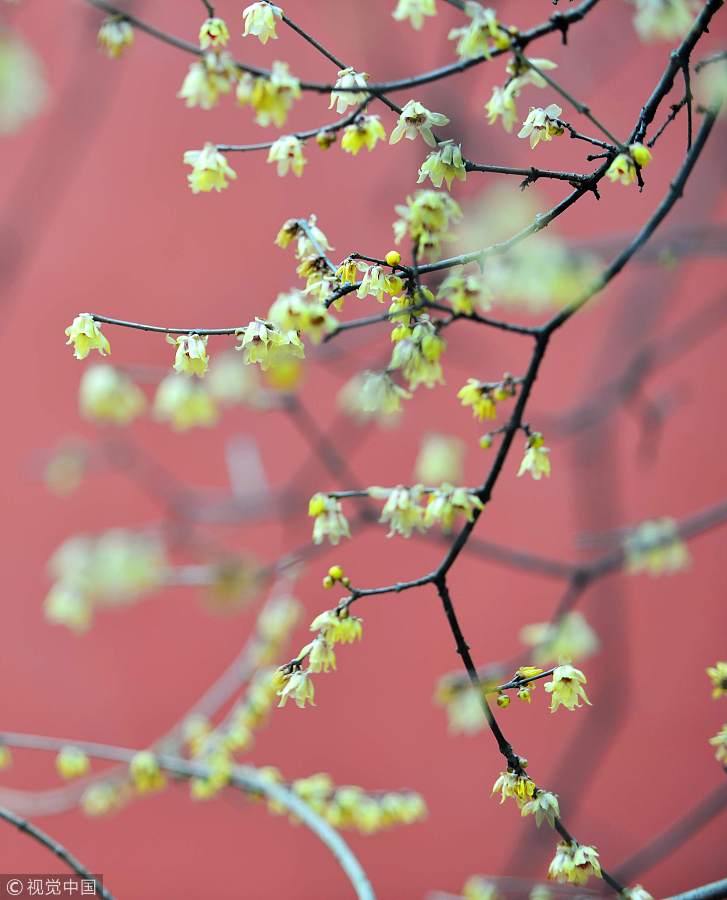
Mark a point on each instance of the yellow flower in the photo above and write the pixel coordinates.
(655, 547)
(372, 395)
(574, 863)
(478, 888)
(662, 21)
(426, 219)
(347, 272)
(260, 20)
(293, 311)
(444, 164)
(338, 626)
(720, 742)
(271, 97)
(416, 119)
(465, 292)
(523, 73)
(299, 687)
(99, 799)
(213, 33)
(230, 381)
(567, 640)
(640, 154)
(108, 395)
(440, 459)
(329, 519)
(447, 502)
(473, 40)
(623, 168)
(287, 152)
(207, 78)
(85, 335)
(115, 35)
(191, 356)
(502, 105)
(68, 605)
(321, 656)
(536, 459)
(541, 124)
(352, 82)
(72, 762)
(210, 169)
(261, 342)
(566, 688)
(146, 773)
(543, 805)
(378, 283)
(718, 676)
(519, 787)
(183, 403)
(402, 509)
(6, 758)
(365, 132)
(414, 11)
(479, 397)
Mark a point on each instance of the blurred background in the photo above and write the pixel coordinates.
(95, 215)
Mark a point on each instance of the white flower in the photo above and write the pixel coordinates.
(210, 169)
(348, 78)
(541, 124)
(417, 119)
(287, 152)
(260, 20)
(414, 11)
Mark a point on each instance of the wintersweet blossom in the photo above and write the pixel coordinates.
(414, 11)
(106, 394)
(271, 96)
(338, 626)
(402, 510)
(416, 119)
(541, 124)
(544, 806)
(718, 676)
(536, 459)
(329, 519)
(260, 21)
(184, 404)
(656, 548)
(191, 356)
(115, 35)
(720, 742)
(574, 863)
(365, 132)
(516, 786)
(426, 219)
(146, 773)
(372, 395)
(262, 343)
(72, 762)
(465, 292)
(287, 153)
(210, 169)
(657, 20)
(440, 458)
(569, 639)
(444, 164)
(293, 311)
(85, 334)
(480, 397)
(502, 105)
(378, 283)
(352, 90)
(447, 502)
(566, 688)
(623, 167)
(473, 40)
(213, 33)
(207, 78)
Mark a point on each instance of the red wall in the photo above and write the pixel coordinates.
(96, 216)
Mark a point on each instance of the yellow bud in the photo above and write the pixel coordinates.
(336, 573)
(486, 441)
(524, 694)
(393, 258)
(324, 139)
(503, 700)
(328, 582)
(346, 581)
(641, 155)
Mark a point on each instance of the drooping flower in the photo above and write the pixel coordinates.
(210, 169)
(574, 863)
(480, 397)
(191, 356)
(426, 218)
(655, 547)
(414, 11)
(351, 91)
(271, 96)
(473, 40)
(536, 459)
(541, 124)
(378, 283)
(523, 72)
(517, 786)
(260, 20)
(502, 105)
(365, 132)
(720, 742)
(321, 655)
(447, 502)
(85, 335)
(444, 164)
(213, 33)
(718, 676)
(623, 167)
(338, 626)
(440, 458)
(287, 152)
(299, 687)
(660, 20)
(402, 510)
(372, 395)
(115, 35)
(293, 311)
(329, 519)
(567, 640)
(108, 395)
(207, 78)
(416, 119)
(544, 806)
(262, 343)
(183, 403)
(566, 688)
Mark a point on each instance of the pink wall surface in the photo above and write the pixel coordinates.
(96, 216)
